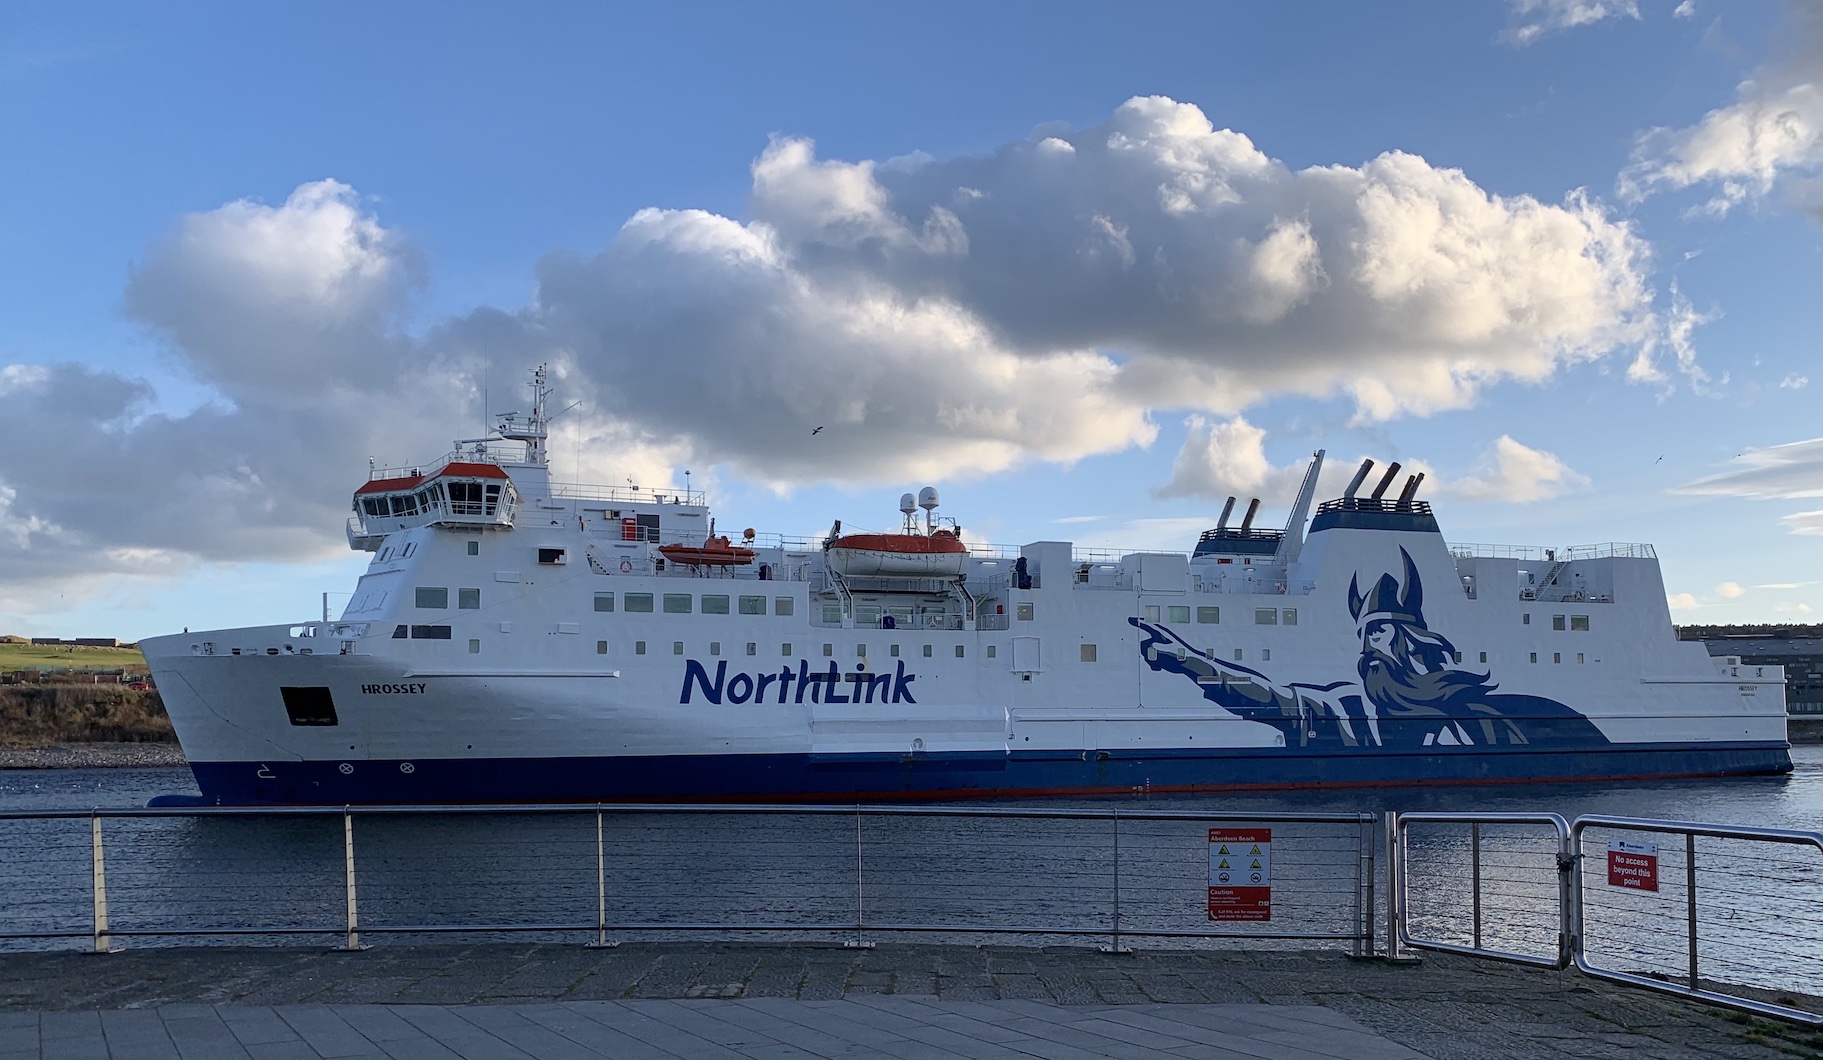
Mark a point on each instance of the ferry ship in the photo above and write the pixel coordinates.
(516, 640)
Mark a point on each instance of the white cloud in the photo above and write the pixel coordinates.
(1785, 585)
(1532, 19)
(1794, 382)
(1777, 472)
(1792, 609)
(1685, 9)
(1682, 602)
(1518, 473)
(1808, 524)
(1678, 324)
(1740, 151)
(1731, 590)
(939, 317)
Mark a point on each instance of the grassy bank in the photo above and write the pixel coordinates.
(40, 715)
(65, 657)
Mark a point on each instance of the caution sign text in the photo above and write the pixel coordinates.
(1240, 874)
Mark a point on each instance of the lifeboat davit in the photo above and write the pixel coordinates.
(713, 552)
(938, 554)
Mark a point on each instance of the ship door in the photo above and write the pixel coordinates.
(1025, 656)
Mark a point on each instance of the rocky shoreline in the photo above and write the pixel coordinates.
(93, 755)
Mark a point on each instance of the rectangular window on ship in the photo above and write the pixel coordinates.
(605, 602)
(433, 597)
(752, 605)
(1265, 616)
(677, 603)
(1557, 622)
(430, 632)
(1178, 614)
(1208, 616)
(714, 605)
(782, 605)
(1290, 616)
(1579, 623)
(468, 599)
(639, 602)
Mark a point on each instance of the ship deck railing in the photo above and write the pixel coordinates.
(1554, 554)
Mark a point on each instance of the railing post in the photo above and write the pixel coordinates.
(99, 875)
(1364, 887)
(860, 940)
(601, 889)
(353, 941)
(1116, 947)
(1569, 897)
(1690, 900)
(1395, 889)
(1475, 875)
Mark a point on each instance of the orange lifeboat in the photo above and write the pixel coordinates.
(713, 552)
(938, 554)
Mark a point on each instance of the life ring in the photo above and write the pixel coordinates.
(626, 566)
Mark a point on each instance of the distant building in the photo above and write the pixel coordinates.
(97, 642)
(1799, 649)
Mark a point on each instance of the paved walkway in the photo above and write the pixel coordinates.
(773, 1028)
(778, 1001)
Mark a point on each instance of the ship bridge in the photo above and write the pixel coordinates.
(463, 493)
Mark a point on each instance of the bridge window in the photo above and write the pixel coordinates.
(1178, 614)
(1290, 616)
(1208, 616)
(1557, 622)
(490, 501)
(1088, 653)
(832, 612)
(468, 599)
(433, 597)
(647, 526)
(782, 605)
(1579, 623)
(430, 632)
(605, 602)
(1265, 616)
(753, 605)
(715, 605)
(639, 602)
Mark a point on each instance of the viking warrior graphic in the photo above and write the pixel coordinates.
(1410, 694)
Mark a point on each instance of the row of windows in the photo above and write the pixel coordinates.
(683, 603)
(1209, 616)
(436, 598)
(1556, 656)
(788, 651)
(1578, 623)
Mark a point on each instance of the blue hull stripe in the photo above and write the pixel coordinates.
(808, 778)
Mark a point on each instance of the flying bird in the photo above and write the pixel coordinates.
(1660, 460)
(814, 430)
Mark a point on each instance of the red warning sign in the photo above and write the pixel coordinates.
(1633, 865)
(1240, 874)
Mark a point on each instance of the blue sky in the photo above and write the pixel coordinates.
(1569, 269)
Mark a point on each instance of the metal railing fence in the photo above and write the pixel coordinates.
(608, 872)
(1717, 913)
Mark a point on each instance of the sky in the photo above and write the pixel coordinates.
(1089, 269)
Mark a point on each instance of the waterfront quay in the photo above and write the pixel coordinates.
(725, 1000)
